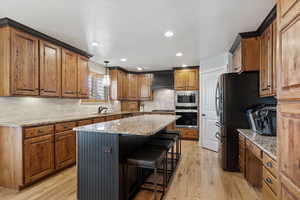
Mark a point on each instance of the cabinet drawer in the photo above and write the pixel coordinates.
(85, 122)
(254, 149)
(189, 134)
(270, 164)
(38, 131)
(267, 193)
(99, 120)
(270, 180)
(64, 126)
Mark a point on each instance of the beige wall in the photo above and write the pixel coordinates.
(163, 99)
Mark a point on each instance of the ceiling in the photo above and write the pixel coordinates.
(135, 29)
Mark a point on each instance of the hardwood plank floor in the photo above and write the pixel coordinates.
(198, 177)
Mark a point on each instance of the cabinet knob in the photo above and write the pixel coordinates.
(269, 164)
(269, 180)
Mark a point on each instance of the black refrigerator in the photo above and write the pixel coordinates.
(234, 94)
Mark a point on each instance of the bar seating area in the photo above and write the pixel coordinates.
(159, 156)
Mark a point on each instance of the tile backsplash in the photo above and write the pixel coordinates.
(163, 99)
(27, 108)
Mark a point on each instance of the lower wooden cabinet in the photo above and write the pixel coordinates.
(267, 193)
(242, 154)
(65, 149)
(189, 133)
(130, 106)
(38, 157)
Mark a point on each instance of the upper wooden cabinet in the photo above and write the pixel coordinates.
(24, 64)
(245, 54)
(144, 84)
(50, 69)
(83, 75)
(186, 79)
(288, 50)
(133, 89)
(69, 74)
(118, 85)
(33, 64)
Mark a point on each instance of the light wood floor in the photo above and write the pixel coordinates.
(198, 177)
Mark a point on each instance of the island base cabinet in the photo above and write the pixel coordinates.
(267, 193)
(65, 149)
(38, 157)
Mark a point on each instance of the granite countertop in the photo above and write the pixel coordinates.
(144, 125)
(52, 120)
(267, 143)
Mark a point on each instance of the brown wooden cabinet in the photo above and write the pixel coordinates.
(69, 74)
(144, 84)
(242, 154)
(186, 79)
(38, 157)
(50, 69)
(65, 149)
(268, 61)
(24, 64)
(82, 77)
(245, 54)
(118, 84)
(130, 106)
(133, 89)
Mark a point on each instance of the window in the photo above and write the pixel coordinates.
(97, 91)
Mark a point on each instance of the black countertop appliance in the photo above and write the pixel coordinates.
(234, 94)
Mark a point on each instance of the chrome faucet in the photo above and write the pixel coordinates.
(101, 109)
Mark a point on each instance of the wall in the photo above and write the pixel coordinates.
(163, 99)
(30, 108)
(223, 59)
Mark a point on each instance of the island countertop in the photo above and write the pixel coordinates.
(145, 125)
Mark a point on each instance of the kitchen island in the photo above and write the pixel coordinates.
(102, 150)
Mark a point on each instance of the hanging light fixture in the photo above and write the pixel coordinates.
(106, 76)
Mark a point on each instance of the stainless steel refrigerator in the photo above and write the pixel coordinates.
(234, 94)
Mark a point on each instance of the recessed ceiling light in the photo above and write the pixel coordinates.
(95, 44)
(169, 34)
(139, 68)
(179, 54)
(123, 59)
(184, 65)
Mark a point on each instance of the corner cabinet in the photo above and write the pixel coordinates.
(186, 79)
(32, 64)
(24, 64)
(69, 74)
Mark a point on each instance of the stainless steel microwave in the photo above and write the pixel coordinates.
(186, 98)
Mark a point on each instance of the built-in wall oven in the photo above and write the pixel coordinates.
(186, 98)
(186, 103)
(189, 117)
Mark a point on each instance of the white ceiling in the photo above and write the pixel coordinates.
(134, 29)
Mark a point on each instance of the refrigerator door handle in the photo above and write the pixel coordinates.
(217, 99)
(218, 124)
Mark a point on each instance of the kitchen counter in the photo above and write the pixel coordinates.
(44, 121)
(144, 125)
(268, 144)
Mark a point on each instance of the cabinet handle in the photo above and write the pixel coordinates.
(40, 131)
(270, 164)
(269, 180)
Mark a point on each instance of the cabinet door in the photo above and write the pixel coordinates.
(145, 82)
(237, 59)
(83, 76)
(192, 79)
(69, 74)
(180, 79)
(266, 51)
(274, 57)
(132, 86)
(50, 70)
(124, 85)
(24, 64)
(289, 141)
(65, 149)
(288, 65)
(38, 157)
